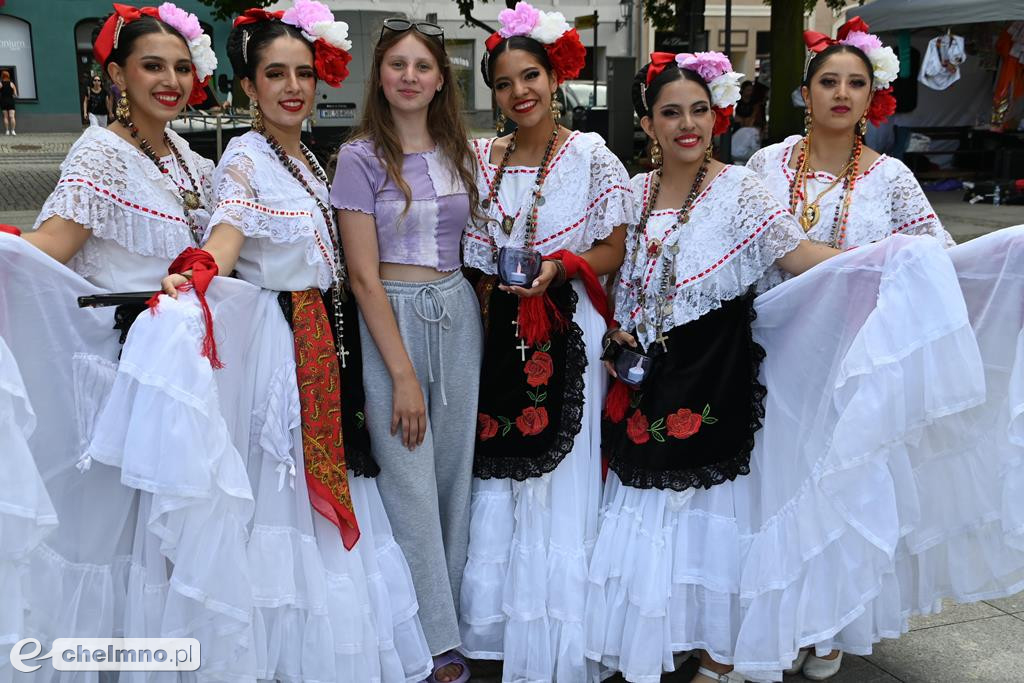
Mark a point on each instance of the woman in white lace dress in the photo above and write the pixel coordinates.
(130, 196)
(847, 195)
(333, 592)
(680, 434)
(537, 469)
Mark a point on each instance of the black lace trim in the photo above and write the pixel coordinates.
(705, 476)
(571, 417)
(355, 435)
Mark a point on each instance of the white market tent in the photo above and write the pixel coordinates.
(892, 15)
(968, 101)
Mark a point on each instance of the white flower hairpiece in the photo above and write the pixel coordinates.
(204, 59)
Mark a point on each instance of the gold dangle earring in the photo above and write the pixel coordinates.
(556, 108)
(862, 125)
(808, 122)
(708, 152)
(500, 123)
(656, 157)
(122, 112)
(255, 116)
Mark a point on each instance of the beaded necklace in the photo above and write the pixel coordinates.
(654, 250)
(190, 199)
(798, 194)
(334, 261)
(507, 222)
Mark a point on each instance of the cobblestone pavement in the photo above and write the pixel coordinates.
(29, 168)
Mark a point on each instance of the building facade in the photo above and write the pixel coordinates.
(49, 45)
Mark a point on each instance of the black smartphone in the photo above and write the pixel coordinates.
(114, 299)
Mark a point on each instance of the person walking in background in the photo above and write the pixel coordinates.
(96, 104)
(8, 91)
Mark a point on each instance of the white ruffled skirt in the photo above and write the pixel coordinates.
(160, 533)
(85, 576)
(524, 588)
(26, 512)
(318, 612)
(868, 355)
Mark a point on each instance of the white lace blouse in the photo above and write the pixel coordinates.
(134, 212)
(289, 247)
(736, 231)
(887, 200)
(586, 195)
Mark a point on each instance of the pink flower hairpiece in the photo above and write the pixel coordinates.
(550, 29)
(331, 46)
(716, 71)
(884, 62)
(204, 59)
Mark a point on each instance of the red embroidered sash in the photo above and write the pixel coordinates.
(316, 367)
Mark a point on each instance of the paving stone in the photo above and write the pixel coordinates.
(1011, 605)
(952, 613)
(987, 650)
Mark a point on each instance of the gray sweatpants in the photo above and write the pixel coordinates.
(426, 492)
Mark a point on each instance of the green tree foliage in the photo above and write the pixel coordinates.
(787, 52)
(228, 9)
(662, 13)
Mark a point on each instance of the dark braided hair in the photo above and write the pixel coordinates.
(669, 75)
(524, 43)
(261, 34)
(131, 32)
(818, 61)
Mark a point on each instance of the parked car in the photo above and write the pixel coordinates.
(587, 110)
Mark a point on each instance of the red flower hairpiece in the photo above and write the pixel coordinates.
(883, 105)
(567, 56)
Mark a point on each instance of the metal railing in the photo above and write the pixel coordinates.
(201, 121)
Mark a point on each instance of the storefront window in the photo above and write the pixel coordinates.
(16, 55)
(460, 54)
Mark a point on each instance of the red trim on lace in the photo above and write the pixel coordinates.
(120, 200)
(572, 227)
(259, 207)
(696, 201)
(729, 254)
(789, 172)
(592, 204)
(915, 221)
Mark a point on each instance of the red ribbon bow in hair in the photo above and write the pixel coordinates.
(123, 14)
(493, 41)
(659, 60)
(255, 15)
(816, 42)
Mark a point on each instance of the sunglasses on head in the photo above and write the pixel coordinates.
(397, 25)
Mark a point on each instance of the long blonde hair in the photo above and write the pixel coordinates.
(444, 120)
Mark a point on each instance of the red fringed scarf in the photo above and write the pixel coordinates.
(319, 381)
(204, 269)
(538, 315)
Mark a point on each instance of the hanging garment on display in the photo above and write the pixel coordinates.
(942, 60)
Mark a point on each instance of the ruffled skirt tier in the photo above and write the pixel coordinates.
(187, 514)
(836, 533)
(524, 588)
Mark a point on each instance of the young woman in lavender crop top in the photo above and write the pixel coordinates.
(403, 191)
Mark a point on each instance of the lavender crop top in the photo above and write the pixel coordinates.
(431, 232)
